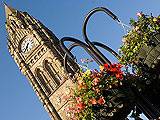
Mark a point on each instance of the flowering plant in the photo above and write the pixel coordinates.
(93, 93)
(140, 34)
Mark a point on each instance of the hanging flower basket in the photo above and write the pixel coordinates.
(99, 95)
(142, 42)
(141, 48)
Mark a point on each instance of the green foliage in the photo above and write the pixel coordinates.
(138, 36)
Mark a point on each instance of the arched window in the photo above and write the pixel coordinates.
(52, 72)
(43, 81)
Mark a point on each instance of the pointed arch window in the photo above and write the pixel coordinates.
(52, 72)
(43, 81)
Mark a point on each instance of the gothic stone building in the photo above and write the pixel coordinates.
(37, 52)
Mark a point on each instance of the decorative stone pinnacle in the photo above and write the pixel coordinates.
(9, 10)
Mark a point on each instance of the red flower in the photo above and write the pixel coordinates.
(101, 101)
(119, 66)
(106, 66)
(80, 106)
(93, 101)
(119, 76)
(114, 69)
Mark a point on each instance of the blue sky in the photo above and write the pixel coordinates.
(64, 18)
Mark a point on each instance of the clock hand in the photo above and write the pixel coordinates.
(26, 47)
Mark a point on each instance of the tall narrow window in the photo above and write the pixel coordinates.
(52, 72)
(43, 81)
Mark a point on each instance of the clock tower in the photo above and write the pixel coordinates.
(37, 52)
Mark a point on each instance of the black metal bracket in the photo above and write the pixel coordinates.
(89, 47)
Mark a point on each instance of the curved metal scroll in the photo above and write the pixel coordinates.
(107, 48)
(77, 42)
(95, 43)
(85, 47)
(90, 47)
(82, 44)
(97, 53)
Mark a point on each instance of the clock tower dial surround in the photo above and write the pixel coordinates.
(27, 44)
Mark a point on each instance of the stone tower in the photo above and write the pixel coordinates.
(37, 52)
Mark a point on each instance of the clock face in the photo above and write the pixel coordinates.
(27, 45)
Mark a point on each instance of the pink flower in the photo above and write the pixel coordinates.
(78, 99)
(95, 81)
(69, 109)
(139, 14)
(82, 60)
(86, 60)
(97, 90)
(101, 101)
(80, 82)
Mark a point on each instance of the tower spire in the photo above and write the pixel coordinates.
(9, 10)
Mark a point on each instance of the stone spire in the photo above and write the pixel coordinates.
(9, 10)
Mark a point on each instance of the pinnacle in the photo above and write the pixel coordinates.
(9, 10)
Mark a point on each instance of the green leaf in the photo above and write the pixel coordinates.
(132, 22)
